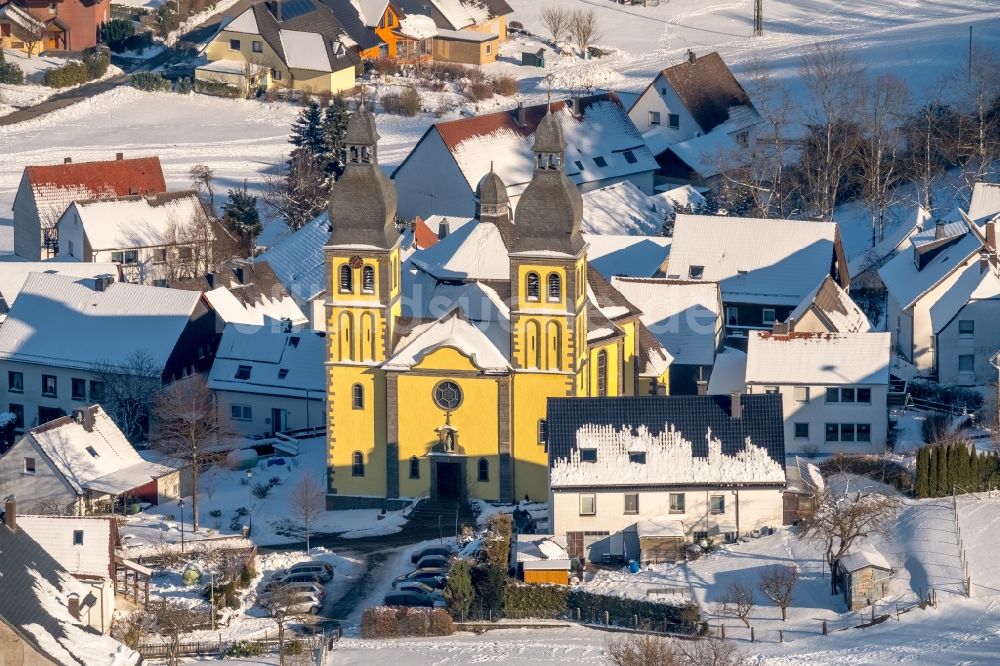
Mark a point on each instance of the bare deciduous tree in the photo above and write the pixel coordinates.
(556, 19)
(132, 628)
(737, 601)
(584, 29)
(185, 425)
(254, 73)
(307, 504)
(842, 519)
(832, 77)
(777, 583)
(173, 620)
(277, 603)
(125, 389)
(301, 194)
(711, 652)
(978, 91)
(653, 650)
(32, 35)
(882, 107)
(202, 177)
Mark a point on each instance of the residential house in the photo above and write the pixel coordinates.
(686, 318)
(631, 256)
(299, 263)
(45, 192)
(428, 232)
(826, 309)
(70, 25)
(898, 240)
(45, 611)
(864, 577)
(985, 203)
(14, 273)
(269, 379)
(834, 387)
(19, 29)
(541, 558)
(155, 239)
(293, 45)
(85, 547)
(468, 31)
(713, 466)
(440, 174)
(921, 300)
(697, 119)
(80, 464)
(245, 292)
(764, 267)
(404, 37)
(624, 209)
(63, 336)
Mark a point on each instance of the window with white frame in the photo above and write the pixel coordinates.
(588, 505)
(676, 502)
(654, 118)
(674, 120)
(29, 465)
(631, 503)
(241, 412)
(717, 504)
(801, 431)
(767, 316)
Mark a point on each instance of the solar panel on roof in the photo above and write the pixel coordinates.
(291, 9)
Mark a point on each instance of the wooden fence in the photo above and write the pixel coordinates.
(220, 647)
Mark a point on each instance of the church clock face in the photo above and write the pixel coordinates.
(447, 395)
(355, 262)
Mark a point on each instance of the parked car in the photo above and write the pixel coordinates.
(282, 577)
(433, 561)
(417, 586)
(433, 577)
(442, 550)
(434, 596)
(299, 602)
(408, 599)
(305, 586)
(323, 569)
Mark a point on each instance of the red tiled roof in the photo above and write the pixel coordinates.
(422, 234)
(120, 178)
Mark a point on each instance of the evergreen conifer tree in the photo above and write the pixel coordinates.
(975, 479)
(307, 132)
(941, 471)
(241, 217)
(955, 455)
(923, 470)
(335, 119)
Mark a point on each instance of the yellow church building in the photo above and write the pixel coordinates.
(440, 363)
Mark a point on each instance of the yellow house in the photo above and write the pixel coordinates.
(282, 44)
(468, 31)
(440, 368)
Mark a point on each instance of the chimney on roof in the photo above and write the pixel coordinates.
(73, 602)
(781, 327)
(519, 117)
(10, 513)
(702, 386)
(736, 405)
(210, 279)
(938, 230)
(119, 156)
(984, 263)
(991, 235)
(443, 228)
(67, 160)
(690, 56)
(85, 417)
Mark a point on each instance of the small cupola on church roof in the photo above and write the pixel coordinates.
(493, 205)
(550, 210)
(363, 201)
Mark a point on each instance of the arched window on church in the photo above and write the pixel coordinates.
(555, 287)
(346, 279)
(602, 373)
(484, 469)
(368, 280)
(532, 287)
(357, 464)
(358, 396)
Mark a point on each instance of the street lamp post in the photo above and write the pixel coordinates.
(180, 503)
(250, 506)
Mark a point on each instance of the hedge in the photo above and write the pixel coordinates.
(956, 397)
(149, 81)
(10, 72)
(93, 66)
(217, 88)
(397, 621)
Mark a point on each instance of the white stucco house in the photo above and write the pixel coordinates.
(440, 174)
(269, 379)
(299, 263)
(693, 466)
(826, 309)
(833, 387)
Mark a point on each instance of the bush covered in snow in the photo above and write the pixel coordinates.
(397, 621)
(406, 103)
(955, 397)
(505, 85)
(93, 66)
(10, 73)
(877, 468)
(150, 81)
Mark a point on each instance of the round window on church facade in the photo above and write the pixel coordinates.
(447, 395)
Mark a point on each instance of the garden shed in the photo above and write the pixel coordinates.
(864, 577)
(541, 558)
(660, 540)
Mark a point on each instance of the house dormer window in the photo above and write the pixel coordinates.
(243, 372)
(92, 451)
(282, 373)
(696, 272)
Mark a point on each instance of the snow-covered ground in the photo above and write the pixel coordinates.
(273, 517)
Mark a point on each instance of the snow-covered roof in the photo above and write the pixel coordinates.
(233, 310)
(55, 535)
(298, 259)
(669, 460)
(99, 459)
(464, 13)
(427, 232)
(224, 67)
(487, 347)
(418, 26)
(14, 273)
(683, 315)
(829, 359)
(622, 208)
(601, 143)
(985, 202)
(20, 17)
(718, 151)
(370, 11)
(660, 527)
(834, 307)
(62, 321)
(136, 221)
(684, 196)
(897, 240)
(474, 251)
(280, 362)
(863, 557)
(810, 475)
(305, 50)
(973, 284)
(245, 23)
(729, 375)
(633, 256)
(765, 261)
(539, 548)
(907, 283)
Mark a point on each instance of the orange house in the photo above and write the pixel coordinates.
(406, 38)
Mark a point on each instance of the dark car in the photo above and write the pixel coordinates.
(433, 561)
(441, 551)
(282, 578)
(434, 577)
(408, 599)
